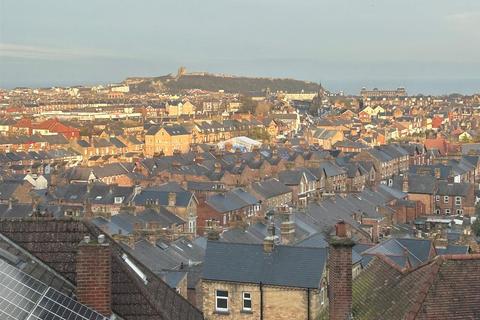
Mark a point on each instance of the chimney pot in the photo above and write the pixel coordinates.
(269, 241)
(341, 229)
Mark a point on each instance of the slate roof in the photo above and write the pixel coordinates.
(316, 240)
(55, 243)
(156, 195)
(173, 130)
(162, 216)
(270, 188)
(454, 189)
(16, 211)
(286, 266)
(452, 249)
(293, 177)
(7, 189)
(420, 184)
(403, 251)
(97, 193)
(234, 199)
(446, 288)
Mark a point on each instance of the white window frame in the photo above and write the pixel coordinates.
(437, 211)
(445, 199)
(437, 198)
(221, 297)
(458, 201)
(246, 296)
(448, 211)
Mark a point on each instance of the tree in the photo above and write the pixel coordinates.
(248, 105)
(476, 227)
(263, 108)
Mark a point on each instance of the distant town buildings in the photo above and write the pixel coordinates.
(218, 204)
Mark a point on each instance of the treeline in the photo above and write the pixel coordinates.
(243, 85)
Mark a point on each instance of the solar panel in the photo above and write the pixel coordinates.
(23, 297)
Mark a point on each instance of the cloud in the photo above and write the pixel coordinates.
(469, 18)
(34, 52)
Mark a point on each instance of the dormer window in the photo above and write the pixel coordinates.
(118, 200)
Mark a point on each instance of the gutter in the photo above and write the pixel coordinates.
(261, 301)
(308, 303)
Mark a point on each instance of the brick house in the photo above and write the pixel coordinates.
(283, 282)
(419, 188)
(306, 187)
(179, 201)
(455, 198)
(166, 140)
(226, 208)
(272, 193)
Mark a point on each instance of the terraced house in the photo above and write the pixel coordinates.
(167, 140)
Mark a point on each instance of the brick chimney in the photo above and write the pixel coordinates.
(217, 167)
(269, 241)
(94, 273)
(287, 228)
(172, 199)
(405, 183)
(340, 274)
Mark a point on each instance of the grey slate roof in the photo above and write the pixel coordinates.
(454, 189)
(421, 184)
(160, 197)
(233, 200)
(286, 266)
(270, 188)
(417, 251)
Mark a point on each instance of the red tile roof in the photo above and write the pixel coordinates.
(445, 288)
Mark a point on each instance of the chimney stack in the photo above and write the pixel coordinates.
(217, 167)
(94, 275)
(287, 229)
(405, 183)
(172, 199)
(269, 241)
(340, 274)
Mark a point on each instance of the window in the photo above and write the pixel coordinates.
(458, 201)
(437, 198)
(247, 301)
(221, 300)
(459, 211)
(445, 199)
(447, 211)
(437, 211)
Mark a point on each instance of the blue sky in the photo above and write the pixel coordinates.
(431, 46)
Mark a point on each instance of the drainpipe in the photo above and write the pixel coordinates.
(308, 303)
(261, 301)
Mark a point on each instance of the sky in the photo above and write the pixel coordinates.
(428, 46)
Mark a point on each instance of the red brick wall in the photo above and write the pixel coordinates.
(93, 275)
(340, 281)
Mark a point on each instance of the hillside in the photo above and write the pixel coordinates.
(211, 82)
